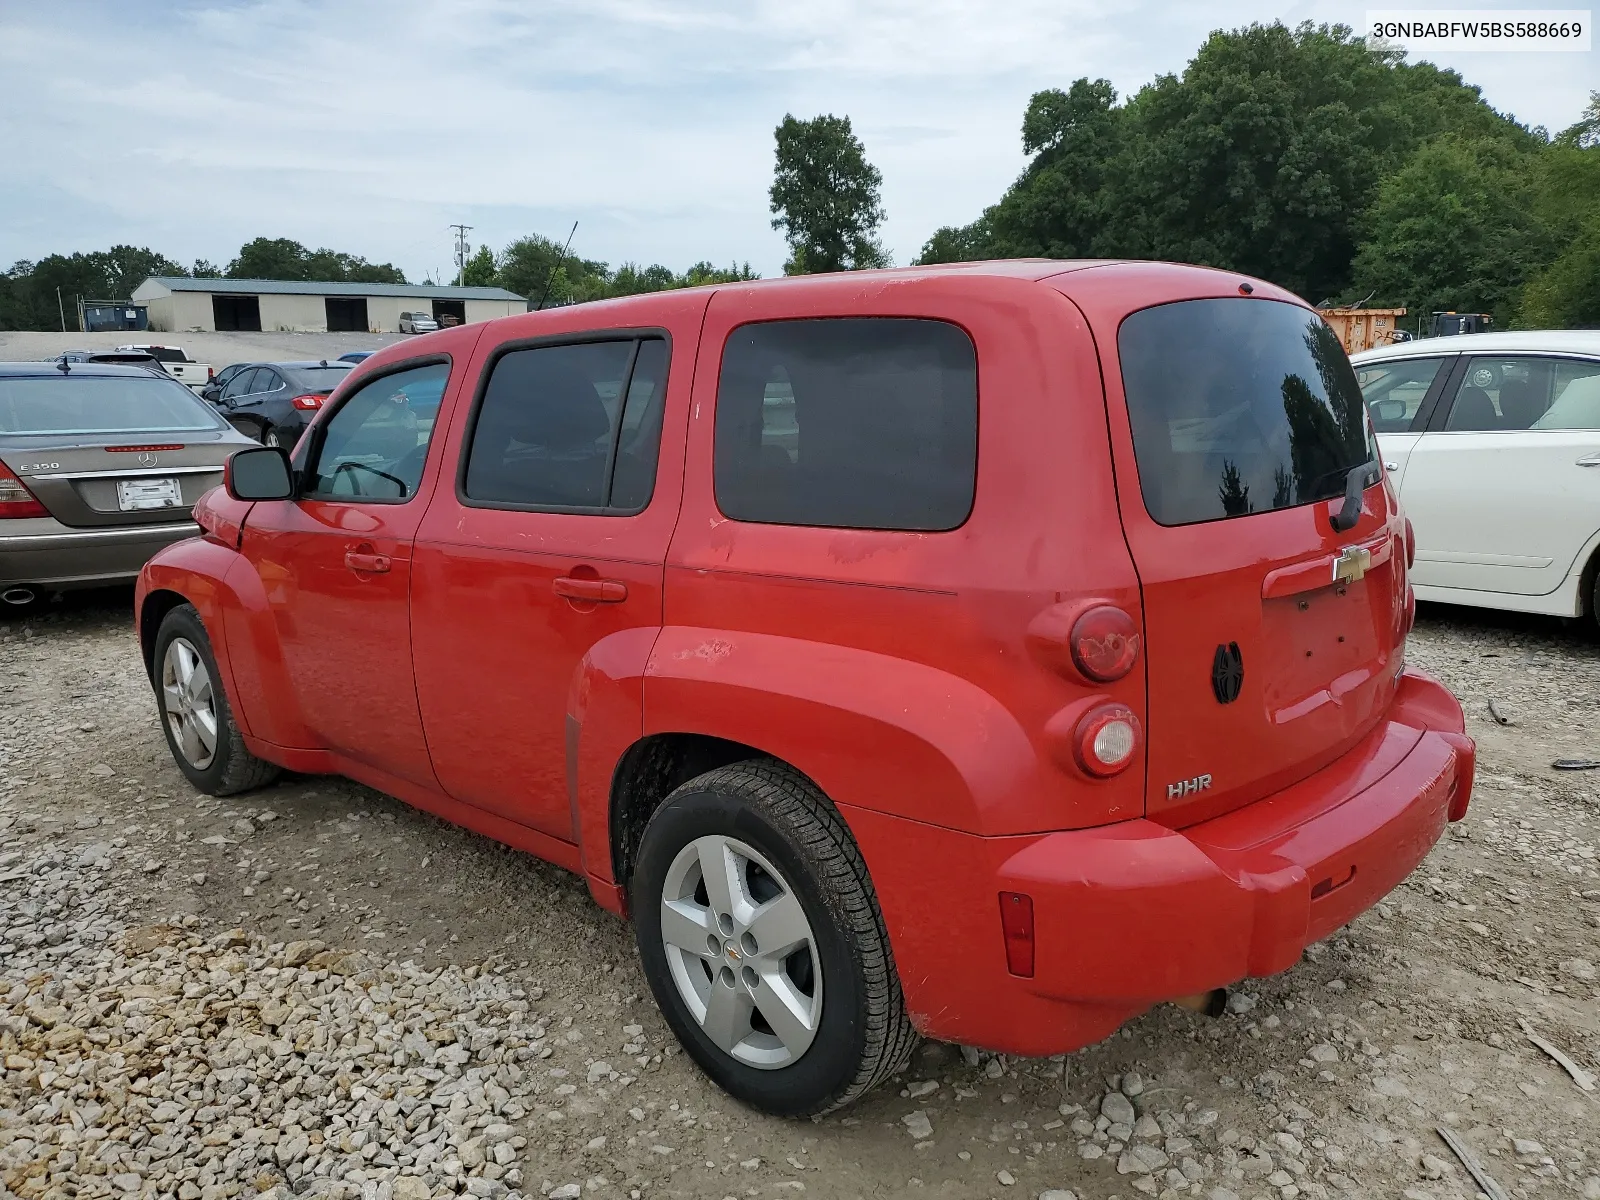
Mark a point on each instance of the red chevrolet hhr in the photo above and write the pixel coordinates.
(986, 652)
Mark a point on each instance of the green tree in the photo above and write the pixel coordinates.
(1585, 134)
(126, 267)
(205, 269)
(271, 258)
(825, 195)
(480, 270)
(535, 267)
(1455, 229)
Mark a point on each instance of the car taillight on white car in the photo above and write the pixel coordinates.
(15, 498)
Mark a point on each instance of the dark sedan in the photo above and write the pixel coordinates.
(274, 402)
(99, 467)
(217, 382)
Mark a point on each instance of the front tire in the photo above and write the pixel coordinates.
(195, 715)
(760, 934)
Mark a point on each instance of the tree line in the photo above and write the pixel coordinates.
(1301, 156)
(44, 294)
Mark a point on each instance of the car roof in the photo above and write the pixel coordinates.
(1548, 341)
(45, 370)
(315, 363)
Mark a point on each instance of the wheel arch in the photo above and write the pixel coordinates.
(153, 609)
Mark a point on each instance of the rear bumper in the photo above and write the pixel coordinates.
(1131, 914)
(65, 558)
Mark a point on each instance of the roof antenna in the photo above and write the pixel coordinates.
(63, 365)
(556, 267)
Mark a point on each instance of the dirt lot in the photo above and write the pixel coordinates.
(218, 349)
(317, 990)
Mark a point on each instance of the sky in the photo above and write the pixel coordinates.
(193, 126)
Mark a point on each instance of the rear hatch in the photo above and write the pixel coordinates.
(1274, 639)
(112, 449)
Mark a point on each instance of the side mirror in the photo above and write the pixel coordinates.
(258, 473)
(1390, 411)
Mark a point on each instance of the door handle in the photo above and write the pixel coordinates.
(365, 562)
(1391, 467)
(602, 591)
(1589, 460)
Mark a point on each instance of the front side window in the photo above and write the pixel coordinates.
(574, 426)
(1394, 390)
(1509, 393)
(857, 423)
(1237, 407)
(375, 445)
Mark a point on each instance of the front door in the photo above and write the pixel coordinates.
(1503, 490)
(336, 566)
(544, 571)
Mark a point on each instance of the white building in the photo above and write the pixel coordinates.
(183, 305)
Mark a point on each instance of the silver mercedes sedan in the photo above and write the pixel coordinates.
(100, 466)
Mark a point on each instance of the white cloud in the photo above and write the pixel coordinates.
(370, 127)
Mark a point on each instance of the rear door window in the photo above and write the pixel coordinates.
(1237, 407)
(570, 427)
(1507, 393)
(1394, 390)
(859, 423)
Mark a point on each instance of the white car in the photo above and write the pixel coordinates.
(1493, 441)
(417, 322)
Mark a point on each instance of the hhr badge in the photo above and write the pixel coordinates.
(1351, 564)
(1188, 787)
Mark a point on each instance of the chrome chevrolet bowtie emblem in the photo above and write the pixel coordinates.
(1351, 564)
(147, 459)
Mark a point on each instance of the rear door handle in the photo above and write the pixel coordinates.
(1589, 460)
(1391, 467)
(603, 591)
(366, 563)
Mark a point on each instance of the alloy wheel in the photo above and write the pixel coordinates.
(189, 703)
(741, 952)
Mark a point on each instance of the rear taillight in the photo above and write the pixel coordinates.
(211, 373)
(1016, 923)
(15, 498)
(1105, 643)
(1106, 740)
(1411, 545)
(307, 403)
(1408, 614)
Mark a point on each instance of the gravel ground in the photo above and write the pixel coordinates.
(218, 349)
(313, 989)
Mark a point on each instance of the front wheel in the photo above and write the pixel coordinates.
(761, 937)
(195, 715)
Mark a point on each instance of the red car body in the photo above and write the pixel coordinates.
(520, 673)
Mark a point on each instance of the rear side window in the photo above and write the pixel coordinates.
(867, 423)
(94, 404)
(1239, 406)
(570, 427)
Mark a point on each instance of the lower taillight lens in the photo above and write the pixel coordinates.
(15, 499)
(1107, 740)
(1016, 923)
(1408, 614)
(1411, 545)
(307, 403)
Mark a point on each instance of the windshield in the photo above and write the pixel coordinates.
(318, 379)
(87, 404)
(1239, 406)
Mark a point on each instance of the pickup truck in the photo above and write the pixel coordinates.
(176, 362)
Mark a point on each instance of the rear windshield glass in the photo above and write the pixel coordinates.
(1239, 406)
(318, 379)
(167, 354)
(88, 404)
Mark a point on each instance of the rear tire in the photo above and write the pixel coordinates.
(269, 437)
(195, 715)
(801, 938)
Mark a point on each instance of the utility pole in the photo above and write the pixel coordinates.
(62, 309)
(462, 247)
